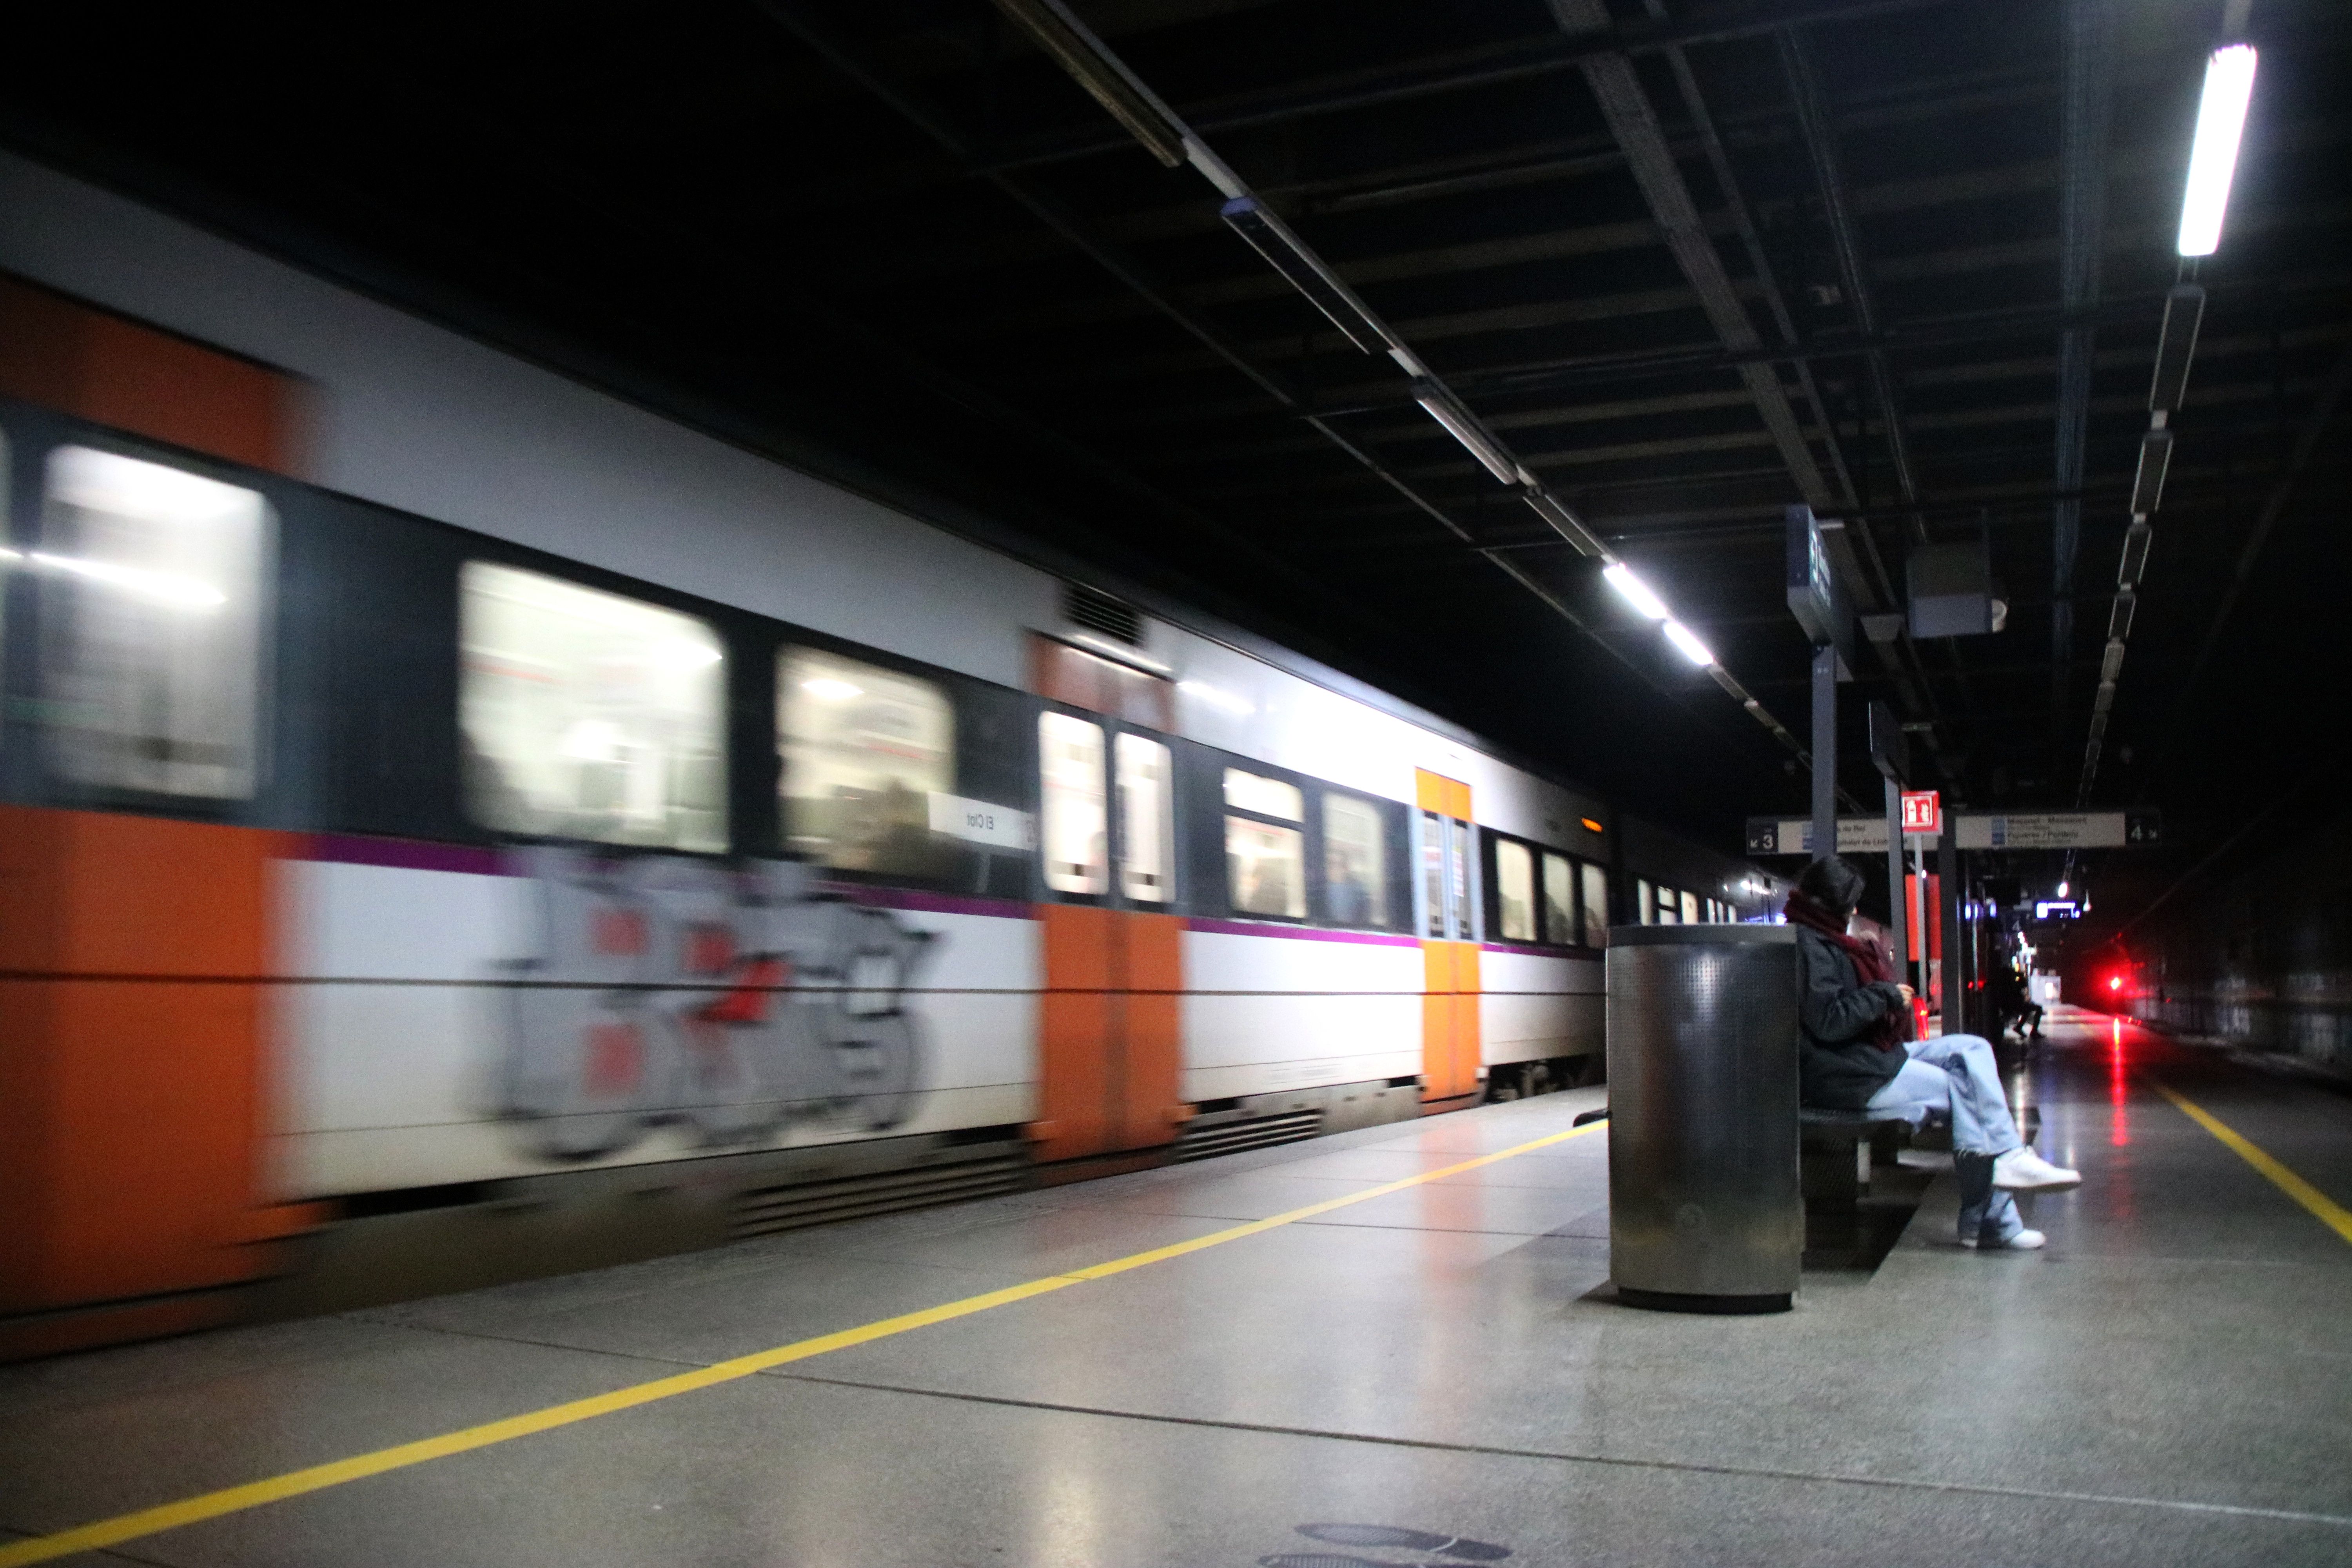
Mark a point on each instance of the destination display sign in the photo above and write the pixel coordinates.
(1970, 830)
(2041, 830)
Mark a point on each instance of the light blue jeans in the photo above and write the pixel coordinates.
(1957, 1073)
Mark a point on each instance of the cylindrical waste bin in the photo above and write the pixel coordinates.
(1705, 1210)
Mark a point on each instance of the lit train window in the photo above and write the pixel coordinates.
(1515, 890)
(587, 715)
(153, 670)
(1355, 862)
(1266, 868)
(1690, 908)
(1077, 826)
(1266, 797)
(1669, 907)
(1596, 906)
(1645, 902)
(864, 749)
(1558, 901)
(1147, 819)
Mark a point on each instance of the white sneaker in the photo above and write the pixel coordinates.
(2023, 1241)
(2024, 1170)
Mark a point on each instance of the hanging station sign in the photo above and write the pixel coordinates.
(1970, 830)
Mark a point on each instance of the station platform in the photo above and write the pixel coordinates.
(1392, 1346)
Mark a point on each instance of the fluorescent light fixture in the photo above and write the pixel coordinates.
(1687, 643)
(1066, 40)
(2213, 158)
(2176, 344)
(826, 689)
(1464, 426)
(1636, 592)
(2148, 479)
(1288, 253)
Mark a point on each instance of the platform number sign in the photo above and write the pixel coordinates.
(1923, 812)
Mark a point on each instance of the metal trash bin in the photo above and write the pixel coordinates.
(1705, 1210)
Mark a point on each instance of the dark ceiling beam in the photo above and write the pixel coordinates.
(2087, 110)
(1023, 327)
(1845, 241)
(2316, 425)
(1521, 163)
(1514, 62)
(1394, 425)
(1067, 223)
(1902, 339)
(1627, 111)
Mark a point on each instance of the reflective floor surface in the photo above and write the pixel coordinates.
(1437, 1374)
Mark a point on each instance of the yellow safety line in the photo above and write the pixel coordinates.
(2331, 1214)
(253, 1494)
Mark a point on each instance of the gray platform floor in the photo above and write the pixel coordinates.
(2169, 1382)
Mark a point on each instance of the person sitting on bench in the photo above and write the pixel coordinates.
(1858, 1054)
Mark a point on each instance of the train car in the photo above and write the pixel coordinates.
(457, 826)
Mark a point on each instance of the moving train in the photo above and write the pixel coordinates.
(456, 825)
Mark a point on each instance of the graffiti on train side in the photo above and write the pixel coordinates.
(730, 1000)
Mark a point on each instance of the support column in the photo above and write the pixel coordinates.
(1825, 663)
(1894, 912)
(1956, 964)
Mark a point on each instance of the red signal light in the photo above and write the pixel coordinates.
(2115, 982)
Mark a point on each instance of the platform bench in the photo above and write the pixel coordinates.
(1838, 1150)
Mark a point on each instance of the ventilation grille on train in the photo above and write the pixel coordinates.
(763, 1211)
(1199, 1143)
(1097, 612)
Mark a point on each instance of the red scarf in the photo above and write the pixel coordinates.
(1869, 963)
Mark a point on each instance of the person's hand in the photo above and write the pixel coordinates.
(1909, 995)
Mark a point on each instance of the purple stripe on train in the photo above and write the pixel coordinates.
(1530, 951)
(1298, 933)
(407, 855)
(913, 898)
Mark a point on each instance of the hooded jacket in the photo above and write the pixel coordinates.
(1839, 1066)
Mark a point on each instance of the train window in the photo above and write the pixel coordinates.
(1146, 820)
(1266, 868)
(154, 673)
(1690, 908)
(1515, 890)
(1558, 901)
(1355, 862)
(865, 752)
(1433, 871)
(587, 715)
(1076, 827)
(1266, 797)
(1596, 906)
(1644, 902)
(1669, 907)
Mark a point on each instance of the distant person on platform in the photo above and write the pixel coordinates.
(2017, 1009)
(1857, 1054)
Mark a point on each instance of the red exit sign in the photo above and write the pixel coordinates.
(1923, 811)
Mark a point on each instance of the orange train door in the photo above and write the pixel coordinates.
(133, 1081)
(1111, 1022)
(1449, 947)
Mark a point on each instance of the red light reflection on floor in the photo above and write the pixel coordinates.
(2119, 1117)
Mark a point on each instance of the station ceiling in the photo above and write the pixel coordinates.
(1903, 260)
